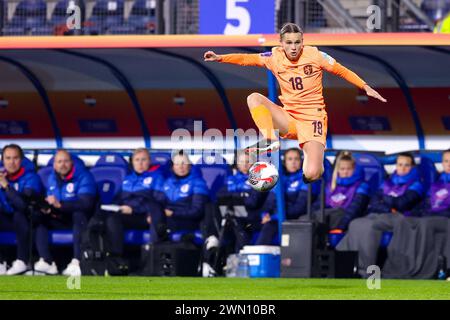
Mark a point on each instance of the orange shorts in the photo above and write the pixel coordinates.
(306, 128)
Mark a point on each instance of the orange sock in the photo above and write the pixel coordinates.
(263, 119)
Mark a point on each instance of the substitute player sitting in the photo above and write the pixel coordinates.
(298, 69)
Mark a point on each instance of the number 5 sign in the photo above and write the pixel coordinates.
(237, 16)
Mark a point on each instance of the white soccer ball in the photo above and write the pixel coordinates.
(263, 176)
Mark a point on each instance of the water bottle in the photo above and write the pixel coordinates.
(231, 266)
(243, 269)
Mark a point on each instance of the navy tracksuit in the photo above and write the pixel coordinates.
(138, 192)
(186, 197)
(77, 194)
(24, 186)
(296, 199)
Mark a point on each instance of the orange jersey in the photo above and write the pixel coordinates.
(300, 81)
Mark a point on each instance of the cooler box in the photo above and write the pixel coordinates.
(264, 261)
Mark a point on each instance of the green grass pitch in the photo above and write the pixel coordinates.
(47, 287)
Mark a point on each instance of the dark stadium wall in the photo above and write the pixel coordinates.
(165, 110)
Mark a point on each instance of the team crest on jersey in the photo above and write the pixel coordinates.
(442, 194)
(184, 188)
(16, 186)
(308, 69)
(148, 180)
(70, 187)
(338, 198)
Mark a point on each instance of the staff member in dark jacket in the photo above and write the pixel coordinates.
(71, 195)
(396, 199)
(137, 201)
(18, 187)
(183, 197)
(295, 195)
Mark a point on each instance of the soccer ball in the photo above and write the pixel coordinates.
(262, 176)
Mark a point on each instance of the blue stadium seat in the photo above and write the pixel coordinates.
(44, 173)
(61, 237)
(373, 170)
(112, 160)
(10, 30)
(123, 29)
(335, 238)
(328, 170)
(109, 181)
(255, 235)
(29, 17)
(385, 239)
(143, 17)
(140, 237)
(8, 238)
(59, 16)
(427, 171)
(215, 176)
(211, 158)
(163, 159)
(105, 14)
(160, 157)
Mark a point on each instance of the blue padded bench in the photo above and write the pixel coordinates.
(65, 237)
(334, 238)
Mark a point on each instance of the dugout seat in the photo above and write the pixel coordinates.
(373, 170)
(44, 173)
(427, 171)
(109, 182)
(105, 14)
(112, 160)
(214, 170)
(215, 176)
(163, 159)
(140, 237)
(109, 172)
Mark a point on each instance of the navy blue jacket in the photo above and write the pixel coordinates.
(186, 197)
(23, 187)
(138, 190)
(239, 192)
(295, 196)
(76, 192)
(388, 199)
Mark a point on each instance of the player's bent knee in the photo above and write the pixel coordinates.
(255, 99)
(313, 173)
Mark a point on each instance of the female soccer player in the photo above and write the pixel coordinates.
(298, 69)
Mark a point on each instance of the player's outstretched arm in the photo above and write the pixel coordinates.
(372, 93)
(242, 59)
